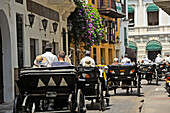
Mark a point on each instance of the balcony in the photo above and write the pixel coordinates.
(149, 30)
(111, 8)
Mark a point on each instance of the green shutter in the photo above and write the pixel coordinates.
(152, 7)
(153, 46)
(130, 9)
(133, 46)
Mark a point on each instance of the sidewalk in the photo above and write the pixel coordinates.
(6, 108)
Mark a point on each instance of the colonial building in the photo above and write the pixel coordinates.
(111, 11)
(149, 29)
(25, 27)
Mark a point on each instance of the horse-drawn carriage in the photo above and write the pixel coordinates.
(148, 72)
(91, 84)
(51, 88)
(161, 70)
(123, 76)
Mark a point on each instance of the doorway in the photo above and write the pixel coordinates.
(153, 54)
(1, 71)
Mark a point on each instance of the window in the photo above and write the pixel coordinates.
(102, 54)
(115, 24)
(106, 30)
(101, 3)
(131, 18)
(125, 37)
(64, 40)
(113, 30)
(93, 1)
(94, 55)
(19, 26)
(110, 30)
(43, 46)
(19, 1)
(32, 51)
(153, 18)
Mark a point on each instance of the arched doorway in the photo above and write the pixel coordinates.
(6, 81)
(153, 47)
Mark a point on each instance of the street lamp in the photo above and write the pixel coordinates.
(31, 20)
(44, 23)
(55, 25)
(69, 26)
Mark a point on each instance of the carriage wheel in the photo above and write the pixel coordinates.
(18, 104)
(28, 106)
(101, 97)
(138, 85)
(81, 107)
(157, 78)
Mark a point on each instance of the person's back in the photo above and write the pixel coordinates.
(115, 61)
(128, 62)
(50, 57)
(61, 61)
(87, 57)
(158, 59)
(125, 59)
(167, 59)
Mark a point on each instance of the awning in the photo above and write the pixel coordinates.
(152, 7)
(153, 46)
(130, 9)
(133, 46)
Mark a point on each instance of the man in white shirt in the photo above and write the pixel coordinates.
(50, 57)
(87, 60)
(167, 59)
(158, 58)
(125, 59)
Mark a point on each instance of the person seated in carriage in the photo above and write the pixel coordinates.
(128, 62)
(123, 61)
(40, 62)
(87, 60)
(61, 62)
(116, 61)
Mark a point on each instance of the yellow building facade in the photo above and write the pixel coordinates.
(109, 11)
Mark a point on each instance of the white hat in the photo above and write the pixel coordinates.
(116, 59)
(158, 55)
(87, 63)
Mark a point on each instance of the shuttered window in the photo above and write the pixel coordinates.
(153, 18)
(19, 1)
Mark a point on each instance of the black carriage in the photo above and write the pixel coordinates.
(91, 85)
(123, 76)
(53, 88)
(148, 72)
(161, 70)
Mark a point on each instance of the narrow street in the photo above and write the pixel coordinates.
(153, 99)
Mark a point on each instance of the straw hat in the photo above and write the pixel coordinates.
(158, 55)
(87, 63)
(40, 60)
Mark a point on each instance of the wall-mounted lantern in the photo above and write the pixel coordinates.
(31, 20)
(44, 23)
(55, 25)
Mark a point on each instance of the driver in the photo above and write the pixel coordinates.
(87, 60)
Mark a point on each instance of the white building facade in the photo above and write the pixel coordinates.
(20, 43)
(149, 29)
(124, 31)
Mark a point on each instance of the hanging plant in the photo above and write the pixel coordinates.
(87, 25)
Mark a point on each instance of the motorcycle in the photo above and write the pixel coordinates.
(167, 85)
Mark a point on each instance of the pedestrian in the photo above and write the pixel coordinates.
(50, 57)
(61, 60)
(87, 60)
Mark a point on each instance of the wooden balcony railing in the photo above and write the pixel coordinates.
(112, 5)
